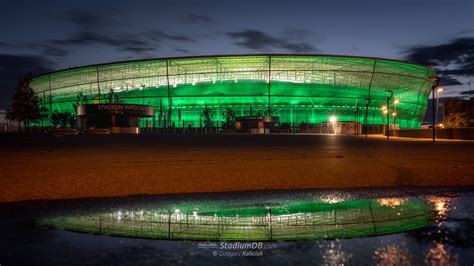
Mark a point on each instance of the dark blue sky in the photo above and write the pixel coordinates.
(39, 36)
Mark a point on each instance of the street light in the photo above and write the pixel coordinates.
(333, 120)
(385, 114)
(397, 101)
(434, 85)
(438, 91)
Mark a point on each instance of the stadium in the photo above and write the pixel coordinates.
(296, 88)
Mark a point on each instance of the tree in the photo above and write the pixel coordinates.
(113, 97)
(43, 114)
(229, 118)
(25, 107)
(207, 115)
(456, 120)
(81, 99)
(62, 119)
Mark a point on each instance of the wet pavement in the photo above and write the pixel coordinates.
(448, 240)
(45, 167)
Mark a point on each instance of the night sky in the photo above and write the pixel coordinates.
(40, 36)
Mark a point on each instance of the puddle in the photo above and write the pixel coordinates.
(278, 221)
(401, 226)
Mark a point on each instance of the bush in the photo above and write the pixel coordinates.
(63, 119)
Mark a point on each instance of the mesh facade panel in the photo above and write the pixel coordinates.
(298, 88)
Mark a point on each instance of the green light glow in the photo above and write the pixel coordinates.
(291, 221)
(301, 88)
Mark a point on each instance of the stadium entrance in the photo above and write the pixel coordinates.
(256, 124)
(118, 118)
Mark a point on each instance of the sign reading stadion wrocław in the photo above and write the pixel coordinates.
(115, 109)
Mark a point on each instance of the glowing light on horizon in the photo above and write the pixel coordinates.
(391, 202)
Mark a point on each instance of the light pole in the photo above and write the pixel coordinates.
(367, 117)
(438, 91)
(434, 85)
(356, 119)
(388, 111)
(397, 101)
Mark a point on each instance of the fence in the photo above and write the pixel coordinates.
(441, 133)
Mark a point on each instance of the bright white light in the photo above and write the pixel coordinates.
(331, 199)
(176, 211)
(394, 114)
(194, 83)
(440, 89)
(385, 111)
(174, 85)
(391, 202)
(396, 101)
(440, 206)
(384, 107)
(332, 119)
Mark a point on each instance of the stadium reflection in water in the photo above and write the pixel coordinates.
(376, 226)
(328, 218)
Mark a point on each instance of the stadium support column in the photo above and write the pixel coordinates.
(50, 96)
(169, 94)
(369, 100)
(98, 84)
(388, 113)
(44, 107)
(269, 78)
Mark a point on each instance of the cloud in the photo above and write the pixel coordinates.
(51, 50)
(446, 80)
(192, 18)
(122, 42)
(182, 50)
(462, 32)
(97, 19)
(159, 35)
(7, 45)
(100, 28)
(13, 66)
(136, 49)
(260, 41)
(454, 58)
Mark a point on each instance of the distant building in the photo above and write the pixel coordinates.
(3, 121)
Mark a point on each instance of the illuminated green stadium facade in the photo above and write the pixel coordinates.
(297, 88)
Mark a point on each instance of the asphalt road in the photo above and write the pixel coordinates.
(47, 167)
